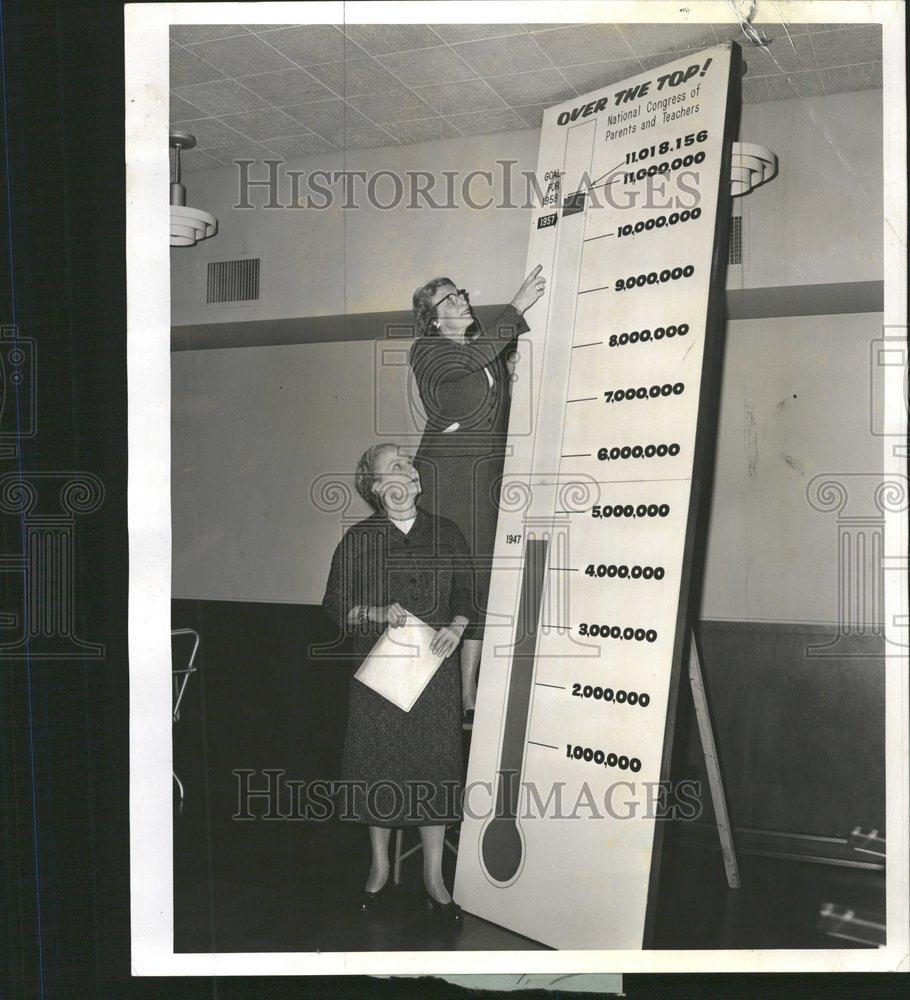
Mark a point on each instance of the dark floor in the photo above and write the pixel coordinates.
(263, 699)
(777, 905)
(288, 885)
(276, 889)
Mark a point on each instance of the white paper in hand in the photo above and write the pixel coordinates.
(401, 665)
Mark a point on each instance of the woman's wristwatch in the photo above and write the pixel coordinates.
(363, 616)
(460, 620)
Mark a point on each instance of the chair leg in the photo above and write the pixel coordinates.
(180, 790)
(396, 866)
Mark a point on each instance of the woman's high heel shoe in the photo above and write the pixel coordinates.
(368, 901)
(449, 913)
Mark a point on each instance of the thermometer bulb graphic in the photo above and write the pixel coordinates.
(502, 841)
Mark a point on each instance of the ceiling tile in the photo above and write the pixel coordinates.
(181, 110)
(516, 58)
(784, 55)
(533, 115)
(422, 130)
(456, 98)
(355, 77)
(499, 56)
(806, 84)
(186, 34)
(840, 79)
(847, 46)
(550, 24)
(308, 44)
(521, 89)
(241, 56)
(264, 124)
(482, 122)
(381, 39)
(393, 106)
(733, 32)
(776, 29)
(425, 66)
(262, 28)
(783, 87)
(593, 76)
(211, 132)
(187, 68)
(222, 97)
(584, 43)
(810, 29)
(755, 91)
(361, 138)
(471, 32)
(653, 39)
(193, 160)
(652, 62)
(326, 117)
(287, 86)
(239, 151)
(300, 145)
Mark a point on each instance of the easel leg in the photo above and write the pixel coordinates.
(396, 864)
(709, 748)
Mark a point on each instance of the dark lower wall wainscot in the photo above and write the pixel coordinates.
(799, 717)
(798, 714)
(271, 692)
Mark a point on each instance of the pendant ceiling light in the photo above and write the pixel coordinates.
(188, 225)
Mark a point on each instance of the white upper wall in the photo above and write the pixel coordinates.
(323, 262)
(818, 222)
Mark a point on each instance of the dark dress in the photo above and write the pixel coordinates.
(402, 768)
(460, 470)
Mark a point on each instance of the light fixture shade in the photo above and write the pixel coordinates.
(752, 166)
(190, 225)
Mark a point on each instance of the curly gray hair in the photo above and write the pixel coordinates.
(424, 307)
(365, 475)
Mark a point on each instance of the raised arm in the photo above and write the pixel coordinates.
(436, 361)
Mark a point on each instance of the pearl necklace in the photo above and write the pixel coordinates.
(410, 517)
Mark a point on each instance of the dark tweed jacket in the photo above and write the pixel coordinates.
(428, 571)
(452, 384)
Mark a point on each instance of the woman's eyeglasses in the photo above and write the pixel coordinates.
(460, 292)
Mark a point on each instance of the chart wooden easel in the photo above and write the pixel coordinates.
(712, 765)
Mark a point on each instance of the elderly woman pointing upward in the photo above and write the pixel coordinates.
(463, 379)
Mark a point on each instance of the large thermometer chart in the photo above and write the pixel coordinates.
(588, 606)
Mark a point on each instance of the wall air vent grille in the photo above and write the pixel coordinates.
(735, 245)
(233, 280)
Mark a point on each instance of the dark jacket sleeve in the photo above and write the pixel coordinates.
(436, 359)
(342, 590)
(441, 367)
(462, 593)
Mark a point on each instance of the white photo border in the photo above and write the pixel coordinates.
(149, 499)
